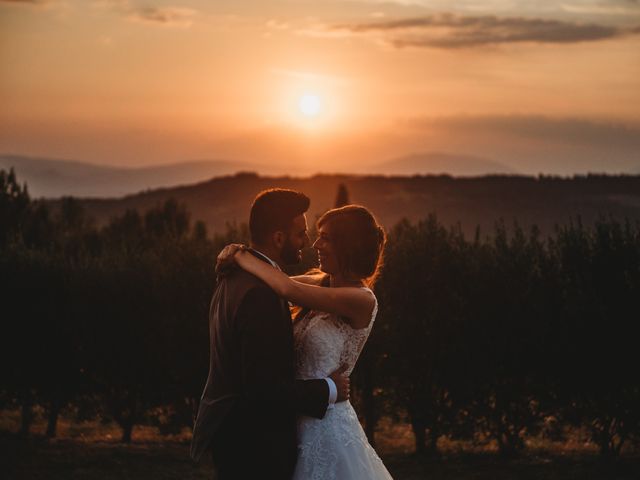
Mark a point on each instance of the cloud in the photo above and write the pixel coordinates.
(450, 31)
(604, 7)
(517, 7)
(532, 143)
(568, 131)
(167, 16)
(25, 2)
(113, 4)
(315, 78)
(275, 24)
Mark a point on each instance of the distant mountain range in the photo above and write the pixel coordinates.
(471, 202)
(47, 177)
(215, 194)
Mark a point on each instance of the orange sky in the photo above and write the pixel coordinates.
(136, 83)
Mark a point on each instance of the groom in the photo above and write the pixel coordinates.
(247, 413)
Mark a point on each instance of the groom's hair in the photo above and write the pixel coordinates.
(274, 210)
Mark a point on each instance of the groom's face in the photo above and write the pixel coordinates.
(296, 240)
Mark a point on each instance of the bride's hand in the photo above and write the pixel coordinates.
(226, 257)
(342, 383)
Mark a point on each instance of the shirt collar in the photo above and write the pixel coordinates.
(275, 265)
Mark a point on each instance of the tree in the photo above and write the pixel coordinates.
(14, 205)
(600, 278)
(342, 197)
(169, 220)
(423, 303)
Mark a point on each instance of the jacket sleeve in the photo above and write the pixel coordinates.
(266, 359)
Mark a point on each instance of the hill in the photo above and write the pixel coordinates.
(47, 177)
(438, 163)
(50, 177)
(544, 201)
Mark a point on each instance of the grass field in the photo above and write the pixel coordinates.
(91, 451)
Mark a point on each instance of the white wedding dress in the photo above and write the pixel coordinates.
(336, 447)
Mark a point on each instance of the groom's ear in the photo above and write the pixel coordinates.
(279, 239)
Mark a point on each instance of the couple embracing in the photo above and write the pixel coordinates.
(276, 402)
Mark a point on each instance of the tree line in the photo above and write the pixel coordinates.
(493, 338)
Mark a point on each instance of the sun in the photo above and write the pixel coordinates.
(310, 105)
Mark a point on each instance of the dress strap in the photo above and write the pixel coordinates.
(375, 305)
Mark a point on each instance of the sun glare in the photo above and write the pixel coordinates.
(310, 105)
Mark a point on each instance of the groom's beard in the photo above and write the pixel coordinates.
(290, 254)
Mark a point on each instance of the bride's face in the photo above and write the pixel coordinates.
(326, 254)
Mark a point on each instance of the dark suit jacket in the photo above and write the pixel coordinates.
(247, 413)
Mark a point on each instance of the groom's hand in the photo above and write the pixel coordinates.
(342, 383)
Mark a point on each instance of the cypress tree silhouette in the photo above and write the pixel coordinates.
(342, 197)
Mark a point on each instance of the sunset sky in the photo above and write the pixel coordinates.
(550, 86)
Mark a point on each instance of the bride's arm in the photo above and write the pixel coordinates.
(312, 278)
(355, 304)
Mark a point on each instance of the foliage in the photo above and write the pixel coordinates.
(488, 339)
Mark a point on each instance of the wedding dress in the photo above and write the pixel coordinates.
(336, 447)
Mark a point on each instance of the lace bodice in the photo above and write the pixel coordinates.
(334, 447)
(323, 342)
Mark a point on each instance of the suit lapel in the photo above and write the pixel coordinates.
(284, 304)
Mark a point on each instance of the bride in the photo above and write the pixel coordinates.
(329, 334)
